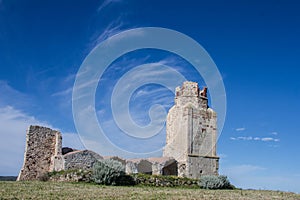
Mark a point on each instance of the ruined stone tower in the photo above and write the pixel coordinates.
(42, 145)
(192, 132)
(44, 153)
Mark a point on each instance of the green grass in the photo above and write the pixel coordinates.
(54, 190)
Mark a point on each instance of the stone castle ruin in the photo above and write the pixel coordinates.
(44, 153)
(190, 149)
(42, 145)
(192, 132)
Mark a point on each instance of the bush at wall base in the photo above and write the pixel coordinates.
(111, 172)
(215, 182)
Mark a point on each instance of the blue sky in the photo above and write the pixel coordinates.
(255, 45)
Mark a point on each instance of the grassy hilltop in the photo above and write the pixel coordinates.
(63, 190)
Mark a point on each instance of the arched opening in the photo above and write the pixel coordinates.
(144, 167)
(170, 169)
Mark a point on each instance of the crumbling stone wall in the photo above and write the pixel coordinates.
(191, 132)
(42, 144)
(43, 154)
(139, 165)
(163, 166)
(155, 166)
(81, 159)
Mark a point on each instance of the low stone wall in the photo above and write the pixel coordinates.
(71, 176)
(164, 181)
(140, 179)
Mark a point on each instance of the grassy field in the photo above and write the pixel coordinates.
(53, 190)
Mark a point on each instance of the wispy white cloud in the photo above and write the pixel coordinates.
(107, 3)
(240, 129)
(244, 138)
(112, 29)
(268, 139)
(12, 96)
(66, 86)
(148, 92)
(274, 133)
(65, 92)
(264, 139)
(13, 126)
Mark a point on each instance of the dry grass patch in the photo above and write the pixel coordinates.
(54, 190)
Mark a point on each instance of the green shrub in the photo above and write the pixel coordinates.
(215, 182)
(110, 172)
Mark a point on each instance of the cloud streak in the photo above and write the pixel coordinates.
(12, 96)
(106, 3)
(274, 133)
(14, 123)
(249, 138)
(112, 29)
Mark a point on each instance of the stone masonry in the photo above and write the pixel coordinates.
(78, 159)
(191, 132)
(43, 154)
(154, 166)
(42, 144)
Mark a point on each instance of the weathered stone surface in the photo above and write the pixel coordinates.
(42, 145)
(163, 166)
(155, 166)
(43, 154)
(191, 132)
(80, 159)
(72, 176)
(163, 181)
(141, 165)
(131, 167)
(58, 163)
(201, 165)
